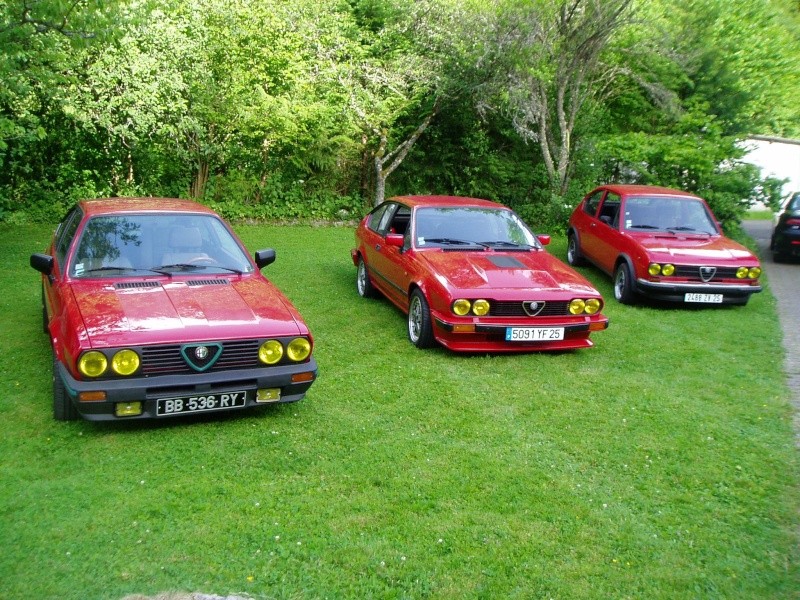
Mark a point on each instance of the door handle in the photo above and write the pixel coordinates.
(378, 247)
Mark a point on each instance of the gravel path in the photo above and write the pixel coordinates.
(784, 281)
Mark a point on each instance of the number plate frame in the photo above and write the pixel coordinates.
(534, 334)
(181, 405)
(703, 298)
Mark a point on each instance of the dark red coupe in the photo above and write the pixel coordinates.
(472, 277)
(661, 243)
(154, 309)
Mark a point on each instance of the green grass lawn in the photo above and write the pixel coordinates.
(658, 464)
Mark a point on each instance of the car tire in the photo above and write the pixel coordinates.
(574, 256)
(623, 284)
(63, 409)
(363, 284)
(420, 330)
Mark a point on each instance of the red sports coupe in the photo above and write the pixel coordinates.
(154, 309)
(661, 243)
(472, 277)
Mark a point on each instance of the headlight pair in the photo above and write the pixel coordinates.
(579, 306)
(748, 272)
(123, 362)
(462, 307)
(272, 351)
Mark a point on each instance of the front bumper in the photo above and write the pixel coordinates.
(675, 292)
(490, 337)
(149, 390)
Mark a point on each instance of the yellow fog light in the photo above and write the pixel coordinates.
(754, 273)
(93, 363)
(480, 307)
(270, 352)
(576, 306)
(592, 306)
(125, 362)
(298, 349)
(461, 307)
(667, 270)
(128, 409)
(742, 272)
(268, 395)
(654, 269)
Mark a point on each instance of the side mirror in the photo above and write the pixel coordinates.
(265, 257)
(395, 239)
(543, 238)
(42, 263)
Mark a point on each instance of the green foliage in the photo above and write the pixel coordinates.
(278, 108)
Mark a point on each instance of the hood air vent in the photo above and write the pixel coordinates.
(197, 282)
(506, 262)
(136, 285)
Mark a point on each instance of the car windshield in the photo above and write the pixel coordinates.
(668, 214)
(455, 227)
(130, 245)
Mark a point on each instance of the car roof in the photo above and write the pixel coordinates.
(446, 201)
(109, 206)
(625, 189)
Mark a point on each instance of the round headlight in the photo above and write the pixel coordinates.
(592, 306)
(654, 269)
(667, 270)
(298, 349)
(754, 273)
(480, 307)
(270, 352)
(742, 272)
(125, 362)
(576, 306)
(461, 307)
(93, 363)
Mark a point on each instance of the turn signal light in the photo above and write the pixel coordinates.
(303, 377)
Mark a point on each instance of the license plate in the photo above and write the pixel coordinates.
(534, 334)
(704, 298)
(200, 403)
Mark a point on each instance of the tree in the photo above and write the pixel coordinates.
(562, 62)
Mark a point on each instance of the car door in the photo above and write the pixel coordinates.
(601, 246)
(52, 285)
(588, 223)
(383, 259)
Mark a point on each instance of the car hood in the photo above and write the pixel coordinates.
(533, 270)
(693, 248)
(148, 312)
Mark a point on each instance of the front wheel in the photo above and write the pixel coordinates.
(623, 284)
(363, 284)
(420, 330)
(63, 409)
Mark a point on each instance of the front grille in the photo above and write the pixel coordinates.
(516, 309)
(168, 360)
(693, 272)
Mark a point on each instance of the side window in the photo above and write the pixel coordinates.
(379, 218)
(386, 219)
(590, 206)
(66, 233)
(400, 221)
(609, 211)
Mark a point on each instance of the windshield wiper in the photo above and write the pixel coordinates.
(686, 228)
(110, 268)
(643, 227)
(454, 242)
(506, 244)
(166, 269)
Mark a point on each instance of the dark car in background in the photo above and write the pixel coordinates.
(154, 309)
(661, 243)
(785, 241)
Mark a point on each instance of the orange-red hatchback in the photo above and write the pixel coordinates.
(661, 243)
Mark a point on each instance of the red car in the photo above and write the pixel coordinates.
(154, 309)
(472, 277)
(661, 243)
